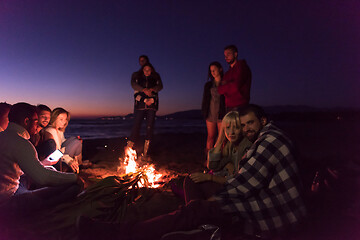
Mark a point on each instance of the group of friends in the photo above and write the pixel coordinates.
(252, 183)
(222, 93)
(29, 179)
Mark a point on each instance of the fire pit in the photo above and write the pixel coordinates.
(150, 177)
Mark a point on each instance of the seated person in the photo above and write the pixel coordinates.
(18, 156)
(230, 147)
(223, 160)
(43, 148)
(72, 147)
(4, 111)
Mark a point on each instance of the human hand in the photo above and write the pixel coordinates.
(230, 168)
(46, 162)
(149, 101)
(74, 165)
(200, 177)
(147, 91)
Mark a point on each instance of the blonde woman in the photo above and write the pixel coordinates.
(223, 160)
(72, 147)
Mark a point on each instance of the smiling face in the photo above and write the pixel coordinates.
(251, 125)
(44, 118)
(61, 121)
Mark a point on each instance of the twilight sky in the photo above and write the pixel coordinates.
(80, 54)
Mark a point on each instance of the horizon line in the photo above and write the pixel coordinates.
(161, 115)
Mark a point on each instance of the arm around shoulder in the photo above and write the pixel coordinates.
(159, 84)
(134, 82)
(30, 165)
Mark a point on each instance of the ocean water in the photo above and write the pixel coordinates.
(315, 139)
(105, 128)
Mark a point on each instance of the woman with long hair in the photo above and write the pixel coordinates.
(213, 104)
(223, 160)
(71, 147)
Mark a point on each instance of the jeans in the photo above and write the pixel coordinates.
(73, 146)
(138, 118)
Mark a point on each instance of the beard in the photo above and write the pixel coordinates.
(230, 61)
(43, 125)
(251, 135)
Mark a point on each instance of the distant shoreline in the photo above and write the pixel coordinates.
(287, 113)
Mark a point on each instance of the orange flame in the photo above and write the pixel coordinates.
(152, 175)
(130, 160)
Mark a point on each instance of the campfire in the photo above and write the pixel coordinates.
(133, 182)
(149, 176)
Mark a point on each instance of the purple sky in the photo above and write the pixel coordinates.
(80, 54)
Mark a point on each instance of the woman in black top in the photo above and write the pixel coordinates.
(213, 104)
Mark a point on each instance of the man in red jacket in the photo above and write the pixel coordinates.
(236, 82)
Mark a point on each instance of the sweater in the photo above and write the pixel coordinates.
(18, 156)
(236, 84)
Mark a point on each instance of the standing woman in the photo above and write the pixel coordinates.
(147, 84)
(71, 147)
(213, 104)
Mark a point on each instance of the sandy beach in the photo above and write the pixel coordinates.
(333, 213)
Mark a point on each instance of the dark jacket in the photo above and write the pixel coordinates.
(205, 106)
(138, 82)
(43, 147)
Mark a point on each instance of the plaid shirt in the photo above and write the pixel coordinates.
(266, 190)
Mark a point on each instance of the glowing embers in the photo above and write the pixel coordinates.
(149, 176)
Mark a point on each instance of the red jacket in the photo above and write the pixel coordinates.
(236, 85)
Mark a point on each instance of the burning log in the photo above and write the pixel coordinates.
(109, 199)
(150, 177)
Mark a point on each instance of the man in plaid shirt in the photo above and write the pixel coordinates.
(265, 193)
